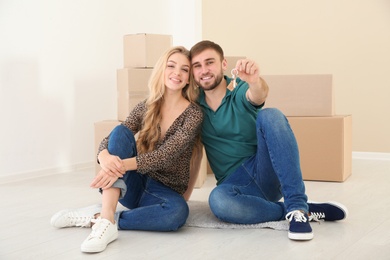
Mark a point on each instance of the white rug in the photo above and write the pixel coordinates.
(202, 217)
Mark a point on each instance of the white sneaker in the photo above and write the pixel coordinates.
(75, 217)
(103, 233)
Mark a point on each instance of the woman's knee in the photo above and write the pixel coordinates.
(121, 132)
(122, 142)
(178, 214)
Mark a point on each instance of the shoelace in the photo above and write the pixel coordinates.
(79, 221)
(98, 228)
(297, 215)
(316, 216)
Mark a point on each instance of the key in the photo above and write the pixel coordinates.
(234, 76)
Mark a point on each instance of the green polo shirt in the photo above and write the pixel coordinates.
(229, 133)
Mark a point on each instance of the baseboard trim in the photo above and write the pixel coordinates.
(371, 156)
(45, 172)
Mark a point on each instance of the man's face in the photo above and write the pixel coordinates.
(207, 68)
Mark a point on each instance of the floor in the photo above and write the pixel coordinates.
(28, 205)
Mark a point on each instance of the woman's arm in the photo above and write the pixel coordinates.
(130, 164)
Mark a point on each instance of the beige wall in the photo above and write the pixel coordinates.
(349, 39)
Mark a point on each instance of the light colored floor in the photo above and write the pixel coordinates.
(26, 208)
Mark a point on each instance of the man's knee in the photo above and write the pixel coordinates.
(222, 205)
(271, 117)
(270, 114)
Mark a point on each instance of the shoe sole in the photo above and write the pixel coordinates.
(300, 236)
(99, 249)
(333, 203)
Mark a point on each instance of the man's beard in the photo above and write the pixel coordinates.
(217, 81)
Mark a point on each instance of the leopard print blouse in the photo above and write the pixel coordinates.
(169, 163)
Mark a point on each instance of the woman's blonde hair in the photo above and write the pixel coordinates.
(149, 134)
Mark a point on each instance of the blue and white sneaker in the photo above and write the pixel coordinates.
(328, 211)
(300, 228)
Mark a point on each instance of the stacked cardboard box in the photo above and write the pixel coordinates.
(132, 88)
(325, 146)
(324, 139)
(301, 95)
(141, 52)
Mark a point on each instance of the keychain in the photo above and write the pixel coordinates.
(234, 76)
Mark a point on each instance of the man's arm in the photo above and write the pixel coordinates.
(249, 71)
(257, 94)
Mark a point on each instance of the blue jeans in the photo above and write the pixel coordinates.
(153, 206)
(252, 193)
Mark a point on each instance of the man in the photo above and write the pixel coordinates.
(252, 151)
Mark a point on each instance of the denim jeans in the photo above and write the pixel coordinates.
(253, 192)
(152, 205)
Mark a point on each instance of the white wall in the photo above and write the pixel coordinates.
(58, 62)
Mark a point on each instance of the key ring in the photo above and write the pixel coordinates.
(234, 76)
(234, 73)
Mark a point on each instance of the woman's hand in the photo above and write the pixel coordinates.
(103, 180)
(111, 164)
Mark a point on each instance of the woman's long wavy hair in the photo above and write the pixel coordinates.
(150, 134)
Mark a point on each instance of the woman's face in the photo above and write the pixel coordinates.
(177, 72)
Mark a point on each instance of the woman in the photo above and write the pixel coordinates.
(149, 175)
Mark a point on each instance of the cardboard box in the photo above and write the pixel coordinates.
(132, 88)
(143, 50)
(202, 176)
(231, 63)
(132, 79)
(102, 129)
(325, 146)
(127, 101)
(301, 95)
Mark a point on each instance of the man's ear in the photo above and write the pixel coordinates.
(224, 64)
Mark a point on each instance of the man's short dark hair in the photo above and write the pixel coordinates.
(204, 45)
